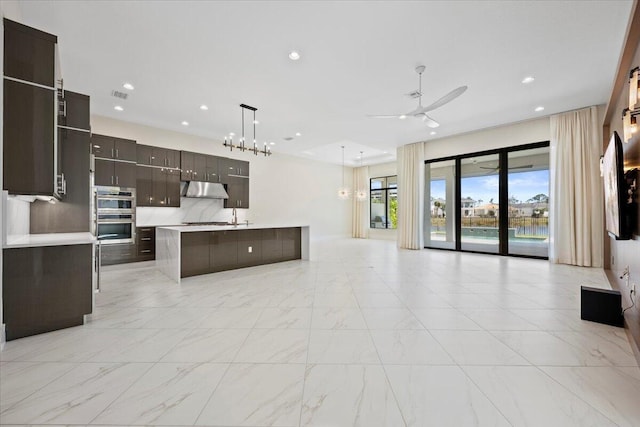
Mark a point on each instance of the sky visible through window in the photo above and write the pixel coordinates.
(522, 185)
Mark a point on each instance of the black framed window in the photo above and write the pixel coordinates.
(383, 199)
(494, 201)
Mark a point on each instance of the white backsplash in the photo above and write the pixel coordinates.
(15, 216)
(190, 210)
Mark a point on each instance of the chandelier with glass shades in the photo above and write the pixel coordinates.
(343, 192)
(361, 193)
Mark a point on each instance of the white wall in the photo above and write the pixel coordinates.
(284, 189)
(487, 139)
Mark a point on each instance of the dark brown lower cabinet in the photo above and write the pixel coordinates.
(46, 288)
(224, 250)
(211, 251)
(118, 253)
(194, 254)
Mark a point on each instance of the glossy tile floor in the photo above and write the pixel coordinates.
(363, 335)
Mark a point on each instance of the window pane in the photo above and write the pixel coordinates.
(479, 185)
(378, 212)
(529, 202)
(392, 182)
(378, 183)
(392, 208)
(439, 231)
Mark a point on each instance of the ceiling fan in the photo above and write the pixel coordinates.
(421, 112)
(497, 168)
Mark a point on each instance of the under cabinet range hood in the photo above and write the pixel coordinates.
(206, 190)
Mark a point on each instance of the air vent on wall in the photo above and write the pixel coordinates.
(119, 94)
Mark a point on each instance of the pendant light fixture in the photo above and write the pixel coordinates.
(228, 141)
(361, 193)
(343, 192)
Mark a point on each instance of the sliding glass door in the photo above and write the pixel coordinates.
(480, 203)
(529, 202)
(440, 210)
(491, 202)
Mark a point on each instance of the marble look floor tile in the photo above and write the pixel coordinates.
(300, 298)
(129, 317)
(379, 300)
(237, 318)
(470, 300)
(444, 318)
(509, 300)
(477, 348)
(332, 346)
(498, 320)
(76, 397)
(348, 395)
(441, 396)
(178, 318)
(335, 300)
(528, 397)
(19, 380)
(409, 348)
(167, 394)
(208, 345)
(140, 345)
(612, 349)
(284, 318)
(274, 346)
(337, 318)
(76, 344)
(390, 318)
(256, 395)
(612, 391)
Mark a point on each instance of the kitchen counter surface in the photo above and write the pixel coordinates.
(49, 239)
(240, 226)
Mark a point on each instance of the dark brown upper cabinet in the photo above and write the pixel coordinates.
(109, 147)
(157, 156)
(29, 54)
(157, 186)
(29, 139)
(193, 165)
(114, 173)
(74, 111)
(211, 170)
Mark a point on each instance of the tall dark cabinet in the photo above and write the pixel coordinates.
(29, 132)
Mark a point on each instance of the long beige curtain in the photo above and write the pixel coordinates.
(360, 222)
(577, 230)
(410, 183)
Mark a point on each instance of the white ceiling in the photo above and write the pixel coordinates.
(358, 58)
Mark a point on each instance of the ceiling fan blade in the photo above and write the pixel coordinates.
(445, 99)
(493, 169)
(522, 167)
(386, 116)
(429, 121)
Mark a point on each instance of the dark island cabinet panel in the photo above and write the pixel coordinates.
(271, 245)
(119, 253)
(45, 288)
(291, 243)
(29, 54)
(28, 135)
(249, 248)
(146, 243)
(224, 250)
(194, 249)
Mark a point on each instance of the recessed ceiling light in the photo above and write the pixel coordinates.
(384, 152)
(255, 122)
(433, 132)
(272, 143)
(185, 123)
(528, 79)
(232, 134)
(118, 108)
(294, 56)
(538, 109)
(128, 86)
(204, 107)
(402, 117)
(298, 134)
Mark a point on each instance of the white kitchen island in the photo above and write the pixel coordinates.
(190, 250)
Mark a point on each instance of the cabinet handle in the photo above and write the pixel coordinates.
(116, 180)
(111, 179)
(145, 238)
(145, 229)
(112, 153)
(117, 155)
(146, 251)
(150, 159)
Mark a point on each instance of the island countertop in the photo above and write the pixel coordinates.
(49, 239)
(240, 226)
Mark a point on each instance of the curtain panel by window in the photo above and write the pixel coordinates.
(410, 194)
(360, 223)
(577, 229)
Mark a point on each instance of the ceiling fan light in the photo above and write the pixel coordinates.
(402, 117)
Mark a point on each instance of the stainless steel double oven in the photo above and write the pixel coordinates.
(115, 214)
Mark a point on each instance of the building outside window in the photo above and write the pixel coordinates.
(384, 202)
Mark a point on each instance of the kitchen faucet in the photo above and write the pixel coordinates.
(234, 218)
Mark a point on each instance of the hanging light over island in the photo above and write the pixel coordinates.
(241, 145)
